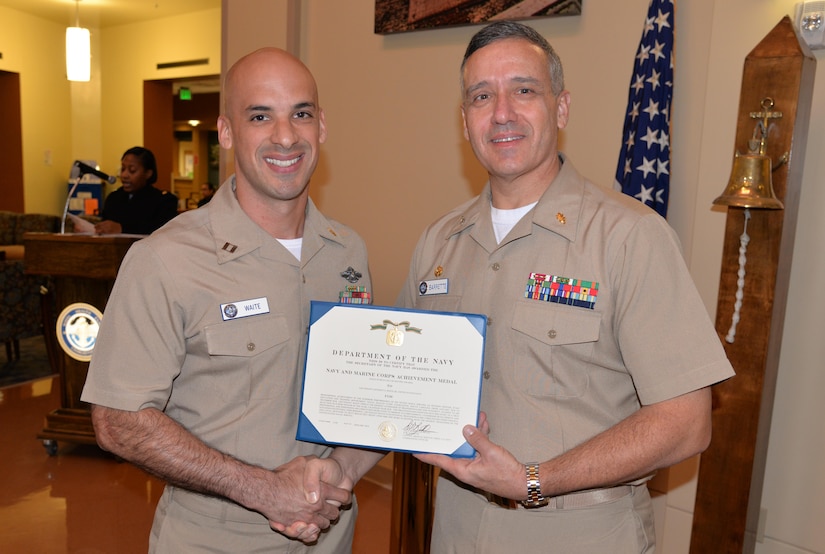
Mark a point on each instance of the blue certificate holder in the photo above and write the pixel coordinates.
(392, 378)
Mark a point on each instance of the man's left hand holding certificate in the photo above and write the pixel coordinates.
(391, 378)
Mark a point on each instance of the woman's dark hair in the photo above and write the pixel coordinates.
(147, 160)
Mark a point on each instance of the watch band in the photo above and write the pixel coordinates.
(534, 497)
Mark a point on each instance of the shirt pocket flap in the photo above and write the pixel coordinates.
(246, 338)
(554, 325)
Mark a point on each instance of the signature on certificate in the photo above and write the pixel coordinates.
(413, 428)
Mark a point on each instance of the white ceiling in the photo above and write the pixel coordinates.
(97, 14)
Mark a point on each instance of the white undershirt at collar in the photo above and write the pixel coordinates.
(505, 220)
(293, 245)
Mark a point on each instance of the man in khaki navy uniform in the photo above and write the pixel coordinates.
(585, 396)
(197, 370)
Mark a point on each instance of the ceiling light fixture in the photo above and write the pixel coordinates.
(78, 50)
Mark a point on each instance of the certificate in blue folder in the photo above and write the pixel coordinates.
(392, 378)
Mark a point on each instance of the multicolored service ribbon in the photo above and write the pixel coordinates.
(562, 290)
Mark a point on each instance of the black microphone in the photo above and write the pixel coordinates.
(84, 168)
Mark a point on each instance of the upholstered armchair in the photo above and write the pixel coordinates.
(20, 294)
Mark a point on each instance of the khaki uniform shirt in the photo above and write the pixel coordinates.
(558, 373)
(234, 382)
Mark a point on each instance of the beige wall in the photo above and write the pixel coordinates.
(396, 158)
(244, 32)
(35, 49)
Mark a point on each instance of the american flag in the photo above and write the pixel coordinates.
(643, 171)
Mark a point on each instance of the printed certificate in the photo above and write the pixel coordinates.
(391, 378)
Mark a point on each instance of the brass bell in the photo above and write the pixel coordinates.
(750, 184)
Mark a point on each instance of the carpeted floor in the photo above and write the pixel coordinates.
(33, 363)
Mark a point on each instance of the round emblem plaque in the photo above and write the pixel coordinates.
(77, 328)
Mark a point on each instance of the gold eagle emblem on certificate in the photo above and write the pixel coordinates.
(395, 336)
(395, 331)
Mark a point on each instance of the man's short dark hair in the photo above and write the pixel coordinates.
(501, 30)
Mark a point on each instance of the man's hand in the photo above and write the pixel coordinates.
(296, 513)
(342, 470)
(320, 474)
(493, 469)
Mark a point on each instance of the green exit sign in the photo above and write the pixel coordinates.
(185, 94)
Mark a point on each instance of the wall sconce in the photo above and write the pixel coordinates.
(751, 186)
(194, 122)
(78, 50)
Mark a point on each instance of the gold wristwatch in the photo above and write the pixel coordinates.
(534, 497)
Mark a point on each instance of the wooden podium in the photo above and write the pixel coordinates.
(83, 268)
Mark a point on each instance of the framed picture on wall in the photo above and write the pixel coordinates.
(188, 164)
(396, 16)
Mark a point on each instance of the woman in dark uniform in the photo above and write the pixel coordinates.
(137, 207)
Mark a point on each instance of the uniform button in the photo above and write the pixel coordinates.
(489, 321)
(303, 279)
(496, 267)
(551, 333)
(250, 346)
(486, 374)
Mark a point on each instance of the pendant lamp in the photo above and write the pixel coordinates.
(78, 50)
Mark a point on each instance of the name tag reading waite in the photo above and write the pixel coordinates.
(392, 379)
(244, 308)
